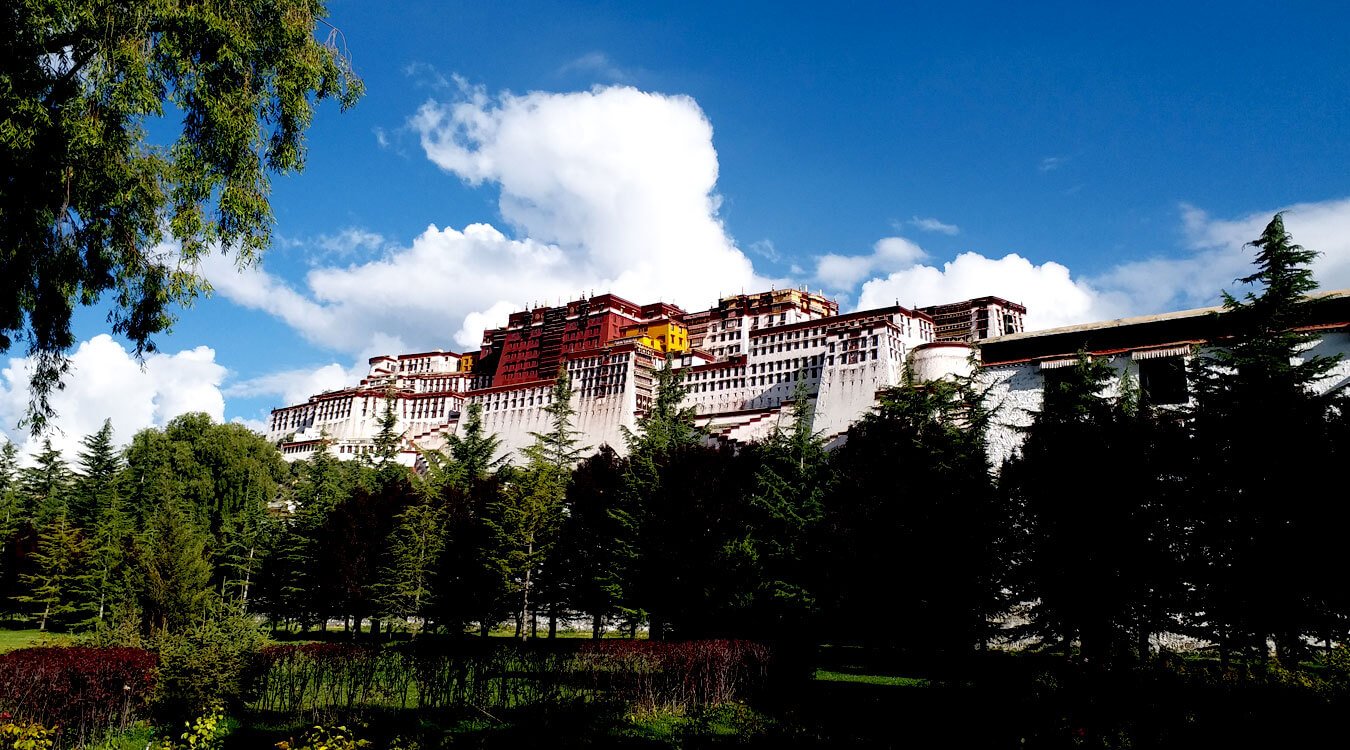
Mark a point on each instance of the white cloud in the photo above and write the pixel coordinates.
(843, 272)
(351, 240)
(1052, 296)
(596, 65)
(930, 224)
(610, 190)
(106, 381)
(296, 386)
(1051, 163)
(765, 249)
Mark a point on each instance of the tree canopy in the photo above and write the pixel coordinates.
(93, 204)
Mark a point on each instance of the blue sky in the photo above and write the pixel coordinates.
(1088, 161)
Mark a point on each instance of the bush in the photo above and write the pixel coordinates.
(217, 661)
(322, 738)
(84, 692)
(675, 674)
(207, 732)
(24, 736)
(322, 678)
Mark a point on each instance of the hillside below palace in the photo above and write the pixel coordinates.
(741, 362)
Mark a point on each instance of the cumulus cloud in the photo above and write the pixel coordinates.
(611, 189)
(1052, 296)
(843, 272)
(296, 386)
(930, 224)
(106, 382)
(1215, 255)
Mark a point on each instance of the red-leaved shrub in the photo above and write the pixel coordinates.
(685, 674)
(83, 692)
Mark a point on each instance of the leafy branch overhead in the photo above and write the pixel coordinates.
(94, 204)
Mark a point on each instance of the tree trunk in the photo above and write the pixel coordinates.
(525, 594)
(597, 626)
(553, 622)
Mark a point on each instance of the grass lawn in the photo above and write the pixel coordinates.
(12, 639)
(824, 675)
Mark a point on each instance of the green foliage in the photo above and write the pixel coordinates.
(526, 519)
(26, 736)
(90, 203)
(60, 559)
(405, 584)
(319, 737)
(473, 455)
(46, 484)
(786, 507)
(913, 550)
(212, 663)
(1102, 568)
(206, 732)
(1261, 557)
(96, 481)
(175, 570)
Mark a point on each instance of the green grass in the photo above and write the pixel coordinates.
(15, 639)
(825, 675)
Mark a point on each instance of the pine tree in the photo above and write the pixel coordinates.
(587, 553)
(912, 551)
(785, 510)
(246, 538)
(405, 588)
(47, 484)
(110, 540)
(1258, 413)
(59, 561)
(665, 435)
(175, 567)
(468, 477)
(97, 477)
(323, 483)
(473, 455)
(559, 447)
(536, 506)
(388, 445)
(13, 514)
(1098, 564)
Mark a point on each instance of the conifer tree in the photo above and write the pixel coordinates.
(912, 548)
(12, 510)
(645, 555)
(59, 569)
(97, 477)
(296, 580)
(527, 519)
(587, 552)
(47, 484)
(1098, 564)
(1257, 414)
(471, 584)
(405, 587)
(785, 510)
(473, 455)
(175, 569)
(245, 540)
(110, 542)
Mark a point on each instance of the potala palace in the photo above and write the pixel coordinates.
(741, 361)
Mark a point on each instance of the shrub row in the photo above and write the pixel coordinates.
(82, 692)
(315, 678)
